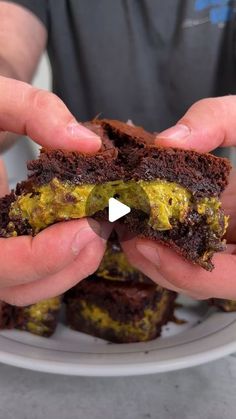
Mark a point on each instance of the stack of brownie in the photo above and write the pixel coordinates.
(183, 212)
(119, 303)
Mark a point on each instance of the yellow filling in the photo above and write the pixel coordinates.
(56, 201)
(210, 207)
(37, 314)
(141, 329)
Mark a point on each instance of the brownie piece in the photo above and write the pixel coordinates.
(120, 312)
(39, 319)
(194, 223)
(223, 304)
(115, 265)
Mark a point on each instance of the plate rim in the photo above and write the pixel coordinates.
(111, 370)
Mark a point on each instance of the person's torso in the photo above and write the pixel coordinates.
(146, 60)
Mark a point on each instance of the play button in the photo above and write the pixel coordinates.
(117, 210)
(119, 203)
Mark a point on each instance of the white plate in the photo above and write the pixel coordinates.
(207, 335)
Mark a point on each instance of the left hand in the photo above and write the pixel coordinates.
(208, 124)
(56, 259)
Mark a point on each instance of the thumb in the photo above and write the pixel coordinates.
(43, 117)
(188, 278)
(208, 124)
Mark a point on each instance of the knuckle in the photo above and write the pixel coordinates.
(214, 106)
(41, 99)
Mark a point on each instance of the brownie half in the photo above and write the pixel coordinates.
(39, 319)
(183, 188)
(117, 311)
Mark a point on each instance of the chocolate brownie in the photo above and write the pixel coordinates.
(40, 318)
(117, 311)
(182, 187)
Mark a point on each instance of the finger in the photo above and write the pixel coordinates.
(43, 117)
(4, 189)
(137, 260)
(26, 259)
(208, 124)
(83, 266)
(192, 279)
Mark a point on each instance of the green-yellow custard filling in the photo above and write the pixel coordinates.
(37, 315)
(165, 202)
(142, 328)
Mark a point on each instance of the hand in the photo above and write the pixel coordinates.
(36, 268)
(42, 116)
(208, 124)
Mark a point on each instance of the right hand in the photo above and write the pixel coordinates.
(208, 124)
(40, 267)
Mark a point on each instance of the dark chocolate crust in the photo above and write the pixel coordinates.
(124, 302)
(128, 154)
(76, 167)
(202, 174)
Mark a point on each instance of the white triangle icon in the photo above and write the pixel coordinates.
(116, 210)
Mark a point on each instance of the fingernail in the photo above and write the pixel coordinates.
(178, 132)
(79, 131)
(149, 252)
(82, 239)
